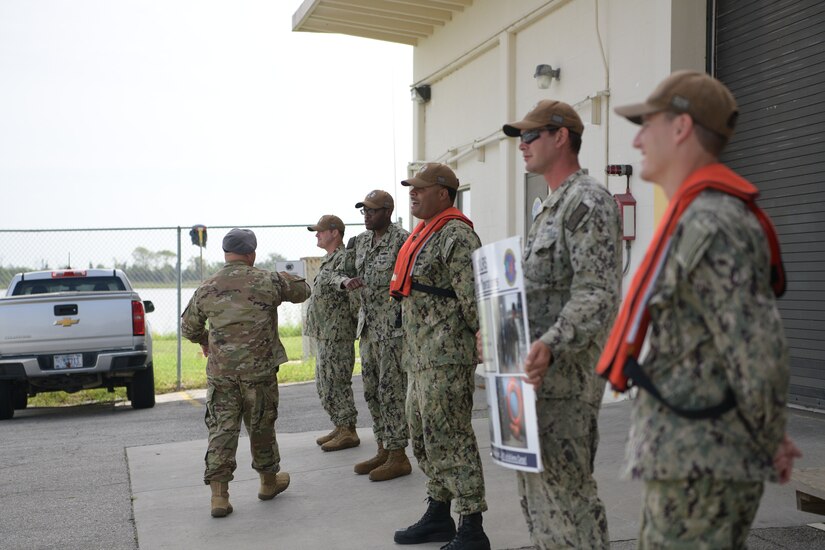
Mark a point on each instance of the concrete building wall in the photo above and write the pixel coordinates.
(480, 68)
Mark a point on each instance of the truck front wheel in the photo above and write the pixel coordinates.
(142, 391)
(6, 399)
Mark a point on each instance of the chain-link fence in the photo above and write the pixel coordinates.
(163, 263)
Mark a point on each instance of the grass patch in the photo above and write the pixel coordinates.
(59, 398)
(193, 364)
(193, 370)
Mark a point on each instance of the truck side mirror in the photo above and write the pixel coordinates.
(148, 306)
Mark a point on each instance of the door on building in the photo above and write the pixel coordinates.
(771, 54)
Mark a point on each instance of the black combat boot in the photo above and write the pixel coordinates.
(470, 535)
(436, 525)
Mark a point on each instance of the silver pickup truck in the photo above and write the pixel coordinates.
(72, 330)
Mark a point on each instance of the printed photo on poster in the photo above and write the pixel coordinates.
(511, 411)
(511, 335)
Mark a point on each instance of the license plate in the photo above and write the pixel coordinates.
(68, 361)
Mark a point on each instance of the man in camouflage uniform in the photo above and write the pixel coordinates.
(368, 265)
(714, 329)
(331, 321)
(440, 318)
(240, 302)
(572, 277)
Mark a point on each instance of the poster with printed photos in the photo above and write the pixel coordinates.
(505, 336)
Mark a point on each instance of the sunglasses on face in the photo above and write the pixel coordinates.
(530, 136)
(370, 211)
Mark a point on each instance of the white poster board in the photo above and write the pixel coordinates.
(502, 312)
(293, 267)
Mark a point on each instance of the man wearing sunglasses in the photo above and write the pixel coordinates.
(572, 275)
(367, 266)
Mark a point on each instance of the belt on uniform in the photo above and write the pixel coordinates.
(446, 292)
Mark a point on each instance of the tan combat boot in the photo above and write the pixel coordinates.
(272, 484)
(220, 499)
(346, 438)
(329, 437)
(369, 465)
(397, 465)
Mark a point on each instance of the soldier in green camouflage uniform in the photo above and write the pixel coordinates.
(368, 266)
(439, 350)
(572, 278)
(714, 328)
(331, 321)
(244, 351)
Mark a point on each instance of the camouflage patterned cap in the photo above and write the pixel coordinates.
(327, 222)
(240, 241)
(433, 173)
(376, 199)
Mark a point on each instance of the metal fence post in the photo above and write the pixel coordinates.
(179, 277)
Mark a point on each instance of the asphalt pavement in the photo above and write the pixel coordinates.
(108, 477)
(328, 506)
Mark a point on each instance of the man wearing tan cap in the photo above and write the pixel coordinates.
(708, 425)
(433, 278)
(368, 265)
(331, 321)
(572, 277)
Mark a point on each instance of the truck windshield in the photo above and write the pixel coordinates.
(68, 284)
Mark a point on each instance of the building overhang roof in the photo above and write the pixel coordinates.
(401, 21)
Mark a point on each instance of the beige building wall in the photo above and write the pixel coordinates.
(480, 68)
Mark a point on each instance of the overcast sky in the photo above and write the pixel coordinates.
(177, 112)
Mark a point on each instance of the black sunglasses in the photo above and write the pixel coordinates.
(371, 211)
(530, 136)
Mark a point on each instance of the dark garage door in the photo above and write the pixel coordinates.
(772, 55)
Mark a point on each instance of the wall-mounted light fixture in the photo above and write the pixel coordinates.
(420, 94)
(545, 74)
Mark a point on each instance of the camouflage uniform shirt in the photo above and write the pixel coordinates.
(441, 330)
(241, 304)
(572, 270)
(380, 315)
(330, 312)
(714, 325)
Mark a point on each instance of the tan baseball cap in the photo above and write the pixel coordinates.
(704, 98)
(547, 112)
(328, 222)
(433, 173)
(376, 199)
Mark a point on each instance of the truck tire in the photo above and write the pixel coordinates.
(143, 388)
(6, 399)
(21, 397)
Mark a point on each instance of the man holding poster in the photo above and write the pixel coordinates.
(572, 278)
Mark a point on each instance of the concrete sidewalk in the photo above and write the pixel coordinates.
(328, 506)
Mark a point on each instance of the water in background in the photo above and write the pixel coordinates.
(164, 320)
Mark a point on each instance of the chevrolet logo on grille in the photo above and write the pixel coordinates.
(66, 322)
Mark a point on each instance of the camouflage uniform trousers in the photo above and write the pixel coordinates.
(334, 363)
(230, 399)
(699, 514)
(385, 387)
(561, 504)
(439, 410)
